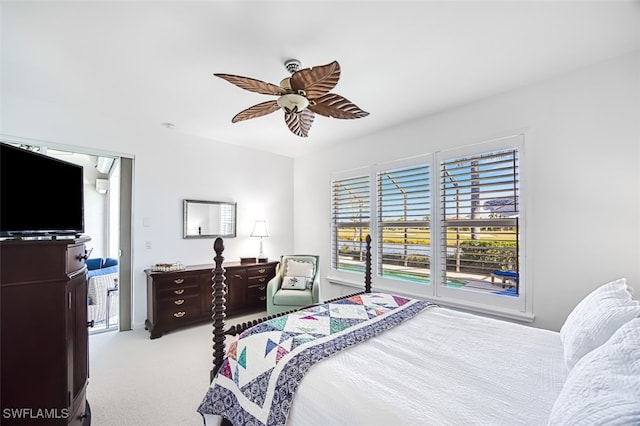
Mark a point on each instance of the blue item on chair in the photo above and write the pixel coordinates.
(93, 264)
(504, 275)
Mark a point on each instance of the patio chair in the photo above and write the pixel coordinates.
(508, 278)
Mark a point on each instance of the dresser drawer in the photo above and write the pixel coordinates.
(258, 281)
(75, 258)
(260, 271)
(179, 302)
(178, 291)
(177, 281)
(256, 296)
(174, 312)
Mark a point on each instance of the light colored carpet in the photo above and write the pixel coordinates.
(136, 381)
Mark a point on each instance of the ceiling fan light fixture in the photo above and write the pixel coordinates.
(304, 94)
(286, 83)
(291, 100)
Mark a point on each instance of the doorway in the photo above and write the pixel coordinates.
(108, 193)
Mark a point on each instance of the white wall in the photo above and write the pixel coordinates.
(168, 167)
(580, 178)
(94, 217)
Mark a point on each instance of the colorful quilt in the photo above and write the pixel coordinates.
(263, 367)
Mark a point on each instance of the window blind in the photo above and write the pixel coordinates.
(351, 216)
(404, 211)
(480, 215)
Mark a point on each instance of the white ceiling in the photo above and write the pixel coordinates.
(149, 62)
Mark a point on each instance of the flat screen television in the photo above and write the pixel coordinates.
(39, 195)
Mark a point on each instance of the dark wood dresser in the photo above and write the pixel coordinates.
(45, 355)
(179, 298)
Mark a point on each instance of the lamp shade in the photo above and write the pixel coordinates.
(260, 229)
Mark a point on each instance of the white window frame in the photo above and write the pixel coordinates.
(515, 307)
(390, 284)
(519, 308)
(342, 276)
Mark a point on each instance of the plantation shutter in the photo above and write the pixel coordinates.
(404, 213)
(227, 219)
(480, 214)
(351, 216)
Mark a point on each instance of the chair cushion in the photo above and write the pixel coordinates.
(300, 266)
(102, 271)
(294, 283)
(93, 264)
(296, 298)
(109, 261)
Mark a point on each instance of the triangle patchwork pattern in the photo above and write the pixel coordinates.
(225, 370)
(242, 360)
(278, 323)
(400, 300)
(236, 376)
(297, 341)
(357, 300)
(309, 317)
(232, 350)
(269, 347)
(256, 386)
(338, 325)
(286, 336)
(281, 352)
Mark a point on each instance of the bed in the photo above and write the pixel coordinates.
(433, 365)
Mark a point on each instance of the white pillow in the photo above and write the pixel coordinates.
(294, 283)
(594, 320)
(296, 268)
(604, 386)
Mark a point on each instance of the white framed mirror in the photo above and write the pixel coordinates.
(209, 219)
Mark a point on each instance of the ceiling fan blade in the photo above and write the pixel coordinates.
(299, 122)
(253, 85)
(255, 111)
(336, 106)
(316, 81)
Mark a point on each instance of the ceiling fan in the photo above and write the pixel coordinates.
(301, 96)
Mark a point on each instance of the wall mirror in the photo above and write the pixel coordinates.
(208, 219)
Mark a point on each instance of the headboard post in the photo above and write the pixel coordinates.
(367, 268)
(219, 292)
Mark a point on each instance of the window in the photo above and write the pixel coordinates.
(404, 211)
(446, 226)
(479, 221)
(351, 215)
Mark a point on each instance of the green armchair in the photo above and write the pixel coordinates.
(296, 284)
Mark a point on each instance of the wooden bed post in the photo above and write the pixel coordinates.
(367, 267)
(219, 292)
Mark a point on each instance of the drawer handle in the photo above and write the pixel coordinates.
(261, 279)
(179, 291)
(179, 314)
(262, 270)
(237, 276)
(262, 298)
(179, 301)
(261, 288)
(178, 280)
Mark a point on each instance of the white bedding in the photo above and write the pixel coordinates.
(442, 367)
